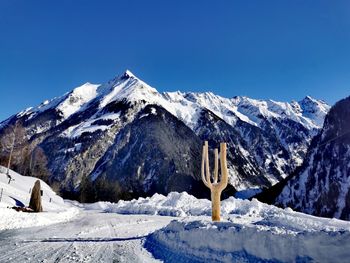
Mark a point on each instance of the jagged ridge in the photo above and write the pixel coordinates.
(267, 139)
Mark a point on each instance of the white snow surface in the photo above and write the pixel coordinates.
(249, 231)
(228, 241)
(91, 236)
(68, 104)
(178, 228)
(17, 193)
(77, 99)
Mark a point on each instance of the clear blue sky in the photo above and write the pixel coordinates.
(281, 50)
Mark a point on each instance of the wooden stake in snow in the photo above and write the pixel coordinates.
(216, 187)
(35, 199)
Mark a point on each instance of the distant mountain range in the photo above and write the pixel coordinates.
(133, 141)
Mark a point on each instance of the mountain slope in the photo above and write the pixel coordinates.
(323, 185)
(156, 153)
(79, 131)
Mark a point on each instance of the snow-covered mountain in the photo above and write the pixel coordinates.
(322, 187)
(125, 131)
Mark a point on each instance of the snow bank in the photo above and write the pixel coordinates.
(17, 193)
(232, 209)
(175, 204)
(10, 219)
(182, 205)
(249, 231)
(231, 242)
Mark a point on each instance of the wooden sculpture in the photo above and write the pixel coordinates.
(215, 187)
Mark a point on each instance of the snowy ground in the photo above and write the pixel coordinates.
(67, 231)
(250, 231)
(90, 237)
(173, 228)
(17, 193)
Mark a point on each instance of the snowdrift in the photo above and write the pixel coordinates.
(17, 193)
(175, 204)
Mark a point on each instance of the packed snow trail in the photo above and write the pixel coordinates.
(91, 237)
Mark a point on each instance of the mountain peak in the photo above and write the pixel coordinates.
(314, 109)
(308, 99)
(128, 86)
(127, 75)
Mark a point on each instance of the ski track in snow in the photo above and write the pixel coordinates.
(91, 237)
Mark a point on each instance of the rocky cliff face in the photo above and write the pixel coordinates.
(126, 133)
(156, 153)
(322, 187)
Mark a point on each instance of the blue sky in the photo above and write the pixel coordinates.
(281, 50)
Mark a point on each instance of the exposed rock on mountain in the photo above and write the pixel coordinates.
(156, 153)
(322, 187)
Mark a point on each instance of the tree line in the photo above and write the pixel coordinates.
(21, 154)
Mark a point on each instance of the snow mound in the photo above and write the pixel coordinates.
(232, 209)
(175, 204)
(18, 192)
